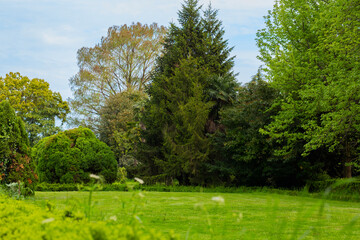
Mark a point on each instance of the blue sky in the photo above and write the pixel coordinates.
(40, 38)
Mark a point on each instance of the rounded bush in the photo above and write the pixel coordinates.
(71, 156)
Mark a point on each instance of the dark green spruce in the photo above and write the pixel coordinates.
(192, 81)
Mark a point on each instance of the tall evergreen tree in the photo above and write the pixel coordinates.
(216, 51)
(192, 79)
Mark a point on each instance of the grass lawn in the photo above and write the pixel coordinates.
(240, 216)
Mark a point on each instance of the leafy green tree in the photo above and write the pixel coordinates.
(71, 156)
(35, 103)
(15, 162)
(122, 61)
(120, 126)
(311, 50)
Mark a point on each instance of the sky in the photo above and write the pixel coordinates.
(40, 38)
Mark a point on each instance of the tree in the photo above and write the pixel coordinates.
(71, 156)
(240, 154)
(15, 162)
(120, 126)
(176, 115)
(216, 51)
(185, 146)
(35, 103)
(123, 61)
(311, 50)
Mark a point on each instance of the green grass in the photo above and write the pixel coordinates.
(241, 216)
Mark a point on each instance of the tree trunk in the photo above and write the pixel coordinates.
(347, 171)
(347, 163)
(19, 188)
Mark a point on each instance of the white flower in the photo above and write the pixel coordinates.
(113, 218)
(139, 180)
(94, 176)
(218, 199)
(47, 220)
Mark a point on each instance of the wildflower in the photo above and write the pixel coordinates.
(218, 199)
(139, 180)
(138, 218)
(94, 176)
(49, 220)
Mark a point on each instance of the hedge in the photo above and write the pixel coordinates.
(335, 189)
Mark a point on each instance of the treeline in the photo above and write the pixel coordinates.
(166, 100)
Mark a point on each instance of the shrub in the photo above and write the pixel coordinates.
(121, 175)
(70, 157)
(21, 220)
(18, 191)
(15, 163)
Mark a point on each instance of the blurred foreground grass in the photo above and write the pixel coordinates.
(219, 216)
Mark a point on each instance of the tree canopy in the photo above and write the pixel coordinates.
(35, 103)
(122, 61)
(311, 50)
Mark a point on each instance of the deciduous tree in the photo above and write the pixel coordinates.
(120, 126)
(35, 103)
(311, 50)
(122, 61)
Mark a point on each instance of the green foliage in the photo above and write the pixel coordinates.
(241, 155)
(35, 103)
(185, 145)
(121, 176)
(120, 126)
(15, 163)
(336, 189)
(216, 53)
(21, 220)
(18, 191)
(55, 187)
(72, 155)
(192, 81)
(311, 50)
(122, 61)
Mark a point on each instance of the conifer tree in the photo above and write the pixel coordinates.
(184, 94)
(217, 53)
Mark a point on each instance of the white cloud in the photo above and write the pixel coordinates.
(54, 39)
(60, 35)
